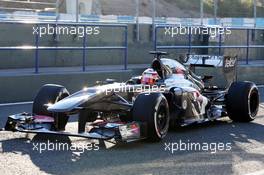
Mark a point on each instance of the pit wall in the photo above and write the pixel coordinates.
(21, 88)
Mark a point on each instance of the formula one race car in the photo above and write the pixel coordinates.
(168, 94)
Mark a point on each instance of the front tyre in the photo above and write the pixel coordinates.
(152, 109)
(51, 93)
(242, 101)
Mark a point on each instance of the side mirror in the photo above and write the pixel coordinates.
(109, 81)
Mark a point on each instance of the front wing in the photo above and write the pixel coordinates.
(124, 132)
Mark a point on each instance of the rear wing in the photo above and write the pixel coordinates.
(204, 60)
(230, 69)
(227, 63)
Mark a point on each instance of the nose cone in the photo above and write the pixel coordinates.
(68, 104)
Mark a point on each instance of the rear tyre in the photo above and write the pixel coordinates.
(152, 109)
(51, 93)
(242, 101)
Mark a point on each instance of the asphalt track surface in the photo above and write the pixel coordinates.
(19, 156)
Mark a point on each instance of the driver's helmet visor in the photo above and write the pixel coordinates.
(149, 77)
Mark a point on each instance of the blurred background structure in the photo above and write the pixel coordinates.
(64, 10)
(143, 19)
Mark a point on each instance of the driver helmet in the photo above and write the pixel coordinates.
(149, 77)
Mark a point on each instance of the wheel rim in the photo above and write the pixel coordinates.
(253, 103)
(162, 119)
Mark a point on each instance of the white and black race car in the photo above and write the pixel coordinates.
(168, 94)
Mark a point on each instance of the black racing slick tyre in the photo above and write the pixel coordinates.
(51, 93)
(242, 101)
(152, 109)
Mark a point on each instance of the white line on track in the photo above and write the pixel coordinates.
(17, 103)
(261, 172)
